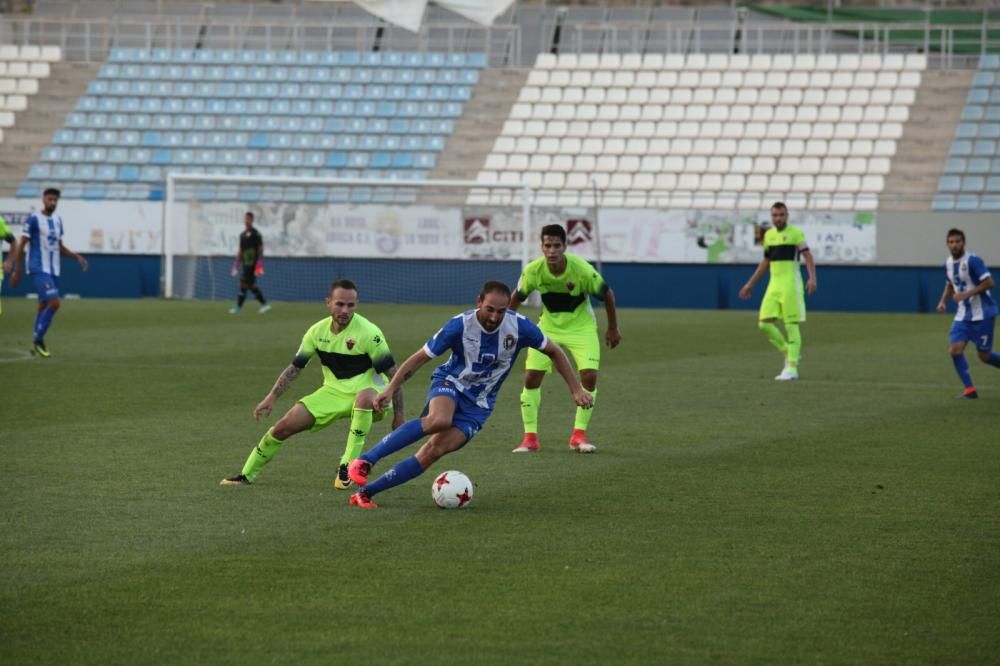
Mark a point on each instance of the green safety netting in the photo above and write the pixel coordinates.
(939, 33)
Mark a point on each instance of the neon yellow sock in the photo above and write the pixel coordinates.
(774, 335)
(261, 455)
(794, 344)
(582, 419)
(531, 400)
(361, 423)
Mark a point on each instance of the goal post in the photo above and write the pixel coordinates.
(407, 241)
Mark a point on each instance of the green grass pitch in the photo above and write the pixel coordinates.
(851, 517)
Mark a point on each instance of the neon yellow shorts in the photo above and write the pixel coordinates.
(328, 405)
(786, 304)
(583, 347)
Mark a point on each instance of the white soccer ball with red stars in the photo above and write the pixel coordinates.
(452, 490)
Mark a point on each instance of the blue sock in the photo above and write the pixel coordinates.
(994, 360)
(401, 473)
(399, 438)
(962, 368)
(42, 323)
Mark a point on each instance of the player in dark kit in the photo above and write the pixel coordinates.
(248, 265)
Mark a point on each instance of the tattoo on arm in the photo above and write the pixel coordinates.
(397, 401)
(285, 380)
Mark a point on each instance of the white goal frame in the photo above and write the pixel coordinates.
(173, 179)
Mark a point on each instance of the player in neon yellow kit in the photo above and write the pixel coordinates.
(566, 283)
(6, 235)
(784, 299)
(355, 360)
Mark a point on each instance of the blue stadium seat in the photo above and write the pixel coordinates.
(944, 202)
(972, 113)
(989, 62)
(973, 183)
(967, 202)
(984, 147)
(974, 165)
(27, 190)
(39, 171)
(978, 96)
(336, 160)
(949, 183)
(118, 155)
(469, 77)
(989, 130)
(116, 191)
(960, 148)
(96, 154)
(151, 174)
(425, 160)
(967, 130)
(94, 191)
(52, 153)
(106, 172)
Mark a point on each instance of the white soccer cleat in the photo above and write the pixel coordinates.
(264, 308)
(788, 374)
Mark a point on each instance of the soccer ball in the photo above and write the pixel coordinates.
(452, 490)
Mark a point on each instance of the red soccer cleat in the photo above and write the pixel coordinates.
(579, 442)
(362, 500)
(529, 444)
(358, 470)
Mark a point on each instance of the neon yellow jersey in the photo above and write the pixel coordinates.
(565, 297)
(782, 249)
(352, 360)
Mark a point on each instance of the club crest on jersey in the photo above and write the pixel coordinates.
(509, 342)
(570, 285)
(350, 343)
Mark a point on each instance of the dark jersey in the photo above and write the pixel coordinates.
(251, 246)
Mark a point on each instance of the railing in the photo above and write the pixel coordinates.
(91, 40)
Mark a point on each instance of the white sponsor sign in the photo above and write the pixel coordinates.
(428, 232)
(680, 236)
(99, 227)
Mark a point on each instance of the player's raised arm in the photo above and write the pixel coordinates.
(404, 372)
(580, 395)
(762, 267)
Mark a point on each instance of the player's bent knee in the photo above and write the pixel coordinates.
(533, 379)
(364, 400)
(985, 356)
(435, 423)
(589, 379)
(53, 304)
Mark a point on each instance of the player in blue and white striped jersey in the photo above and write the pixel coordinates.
(968, 282)
(43, 234)
(484, 343)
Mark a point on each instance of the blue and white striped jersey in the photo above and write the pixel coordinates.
(44, 232)
(965, 273)
(481, 360)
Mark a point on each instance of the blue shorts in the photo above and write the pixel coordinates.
(979, 333)
(469, 417)
(46, 285)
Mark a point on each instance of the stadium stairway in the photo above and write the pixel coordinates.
(921, 152)
(35, 126)
(465, 153)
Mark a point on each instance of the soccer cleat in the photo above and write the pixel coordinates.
(788, 374)
(363, 500)
(529, 444)
(238, 480)
(234, 310)
(342, 482)
(264, 308)
(969, 394)
(357, 471)
(38, 348)
(579, 442)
